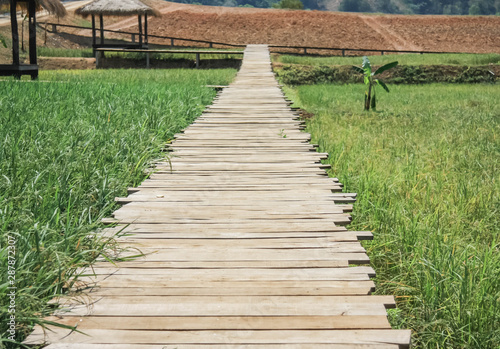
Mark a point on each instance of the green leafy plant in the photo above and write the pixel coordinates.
(289, 4)
(371, 81)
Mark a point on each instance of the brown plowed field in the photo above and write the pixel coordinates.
(324, 29)
(294, 28)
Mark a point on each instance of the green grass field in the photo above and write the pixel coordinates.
(426, 170)
(404, 59)
(69, 144)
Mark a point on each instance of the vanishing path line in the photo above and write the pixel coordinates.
(244, 243)
(392, 37)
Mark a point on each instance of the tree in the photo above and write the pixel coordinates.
(355, 6)
(371, 81)
(289, 4)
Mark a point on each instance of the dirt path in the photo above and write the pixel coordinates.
(393, 38)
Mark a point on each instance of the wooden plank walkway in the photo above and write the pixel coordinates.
(244, 241)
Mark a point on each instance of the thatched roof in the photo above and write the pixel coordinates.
(116, 8)
(52, 6)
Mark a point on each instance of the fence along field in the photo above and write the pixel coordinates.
(70, 144)
(426, 168)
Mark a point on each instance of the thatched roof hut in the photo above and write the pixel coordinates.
(117, 8)
(54, 7)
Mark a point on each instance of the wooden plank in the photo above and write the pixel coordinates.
(157, 219)
(224, 346)
(362, 289)
(158, 233)
(268, 308)
(264, 242)
(144, 263)
(245, 227)
(353, 273)
(225, 322)
(248, 254)
(152, 281)
(229, 300)
(364, 336)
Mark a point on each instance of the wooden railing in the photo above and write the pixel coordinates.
(273, 48)
(133, 34)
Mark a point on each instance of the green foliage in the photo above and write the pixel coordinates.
(3, 41)
(460, 7)
(301, 75)
(371, 82)
(62, 52)
(289, 4)
(355, 6)
(426, 173)
(402, 74)
(448, 7)
(71, 143)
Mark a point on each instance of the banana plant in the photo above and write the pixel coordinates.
(371, 81)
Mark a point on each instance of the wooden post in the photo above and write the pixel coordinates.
(94, 41)
(343, 53)
(97, 59)
(140, 30)
(32, 31)
(381, 53)
(147, 60)
(54, 28)
(172, 42)
(101, 20)
(133, 37)
(305, 50)
(102, 29)
(197, 60)
(146, 29)
(15, 33)
(211, 45)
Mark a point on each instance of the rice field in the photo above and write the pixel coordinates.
(426, 170)
(69, 144)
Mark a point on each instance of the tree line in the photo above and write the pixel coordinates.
(422, 7)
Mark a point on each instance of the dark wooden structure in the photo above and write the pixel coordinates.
(101, 8)
(16, 68)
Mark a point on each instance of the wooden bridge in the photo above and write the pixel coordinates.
(244, 241)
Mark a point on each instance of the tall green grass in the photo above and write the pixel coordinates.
(69, 144)
(87, 52)
(426, 170)
(63, 52)
(404, 59)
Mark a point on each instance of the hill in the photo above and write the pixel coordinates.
(437, 7)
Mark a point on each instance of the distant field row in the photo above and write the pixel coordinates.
(404, 59)
(87, 52)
